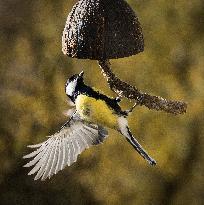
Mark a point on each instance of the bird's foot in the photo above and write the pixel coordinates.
(117, 99)
(139, 102)
(131, 109)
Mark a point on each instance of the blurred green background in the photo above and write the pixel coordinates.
(33, 72)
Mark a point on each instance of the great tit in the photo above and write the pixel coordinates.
(86, 127)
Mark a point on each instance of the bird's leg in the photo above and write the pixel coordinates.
(138, 102)
(117, 99)
(131, 109)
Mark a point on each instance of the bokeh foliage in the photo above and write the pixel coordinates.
(33, 71)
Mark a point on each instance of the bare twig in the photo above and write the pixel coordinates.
(123, 89)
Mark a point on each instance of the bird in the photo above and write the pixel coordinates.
(93, 113)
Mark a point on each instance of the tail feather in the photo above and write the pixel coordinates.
(139, 148)
(129, 137)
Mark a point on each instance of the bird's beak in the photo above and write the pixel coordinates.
(81, 74)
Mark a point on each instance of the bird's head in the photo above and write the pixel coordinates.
(73, 83)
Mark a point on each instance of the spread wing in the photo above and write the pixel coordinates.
(62, 148)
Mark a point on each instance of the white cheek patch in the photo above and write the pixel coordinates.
(71, 88)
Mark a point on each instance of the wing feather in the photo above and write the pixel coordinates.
(43, 162)
(77, 151)
(34, 153)
(69, 154)
(36, 161)
(54, 160)
(64, 154)
(35, 145)
(72, 151)
(49, 162)
(84, 141)
(88, 137)
(59, 151)
(63, 148)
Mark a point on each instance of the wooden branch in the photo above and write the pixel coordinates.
(123, 89)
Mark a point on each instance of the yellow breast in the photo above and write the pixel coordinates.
(96, 111)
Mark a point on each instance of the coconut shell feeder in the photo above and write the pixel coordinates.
(109, 29)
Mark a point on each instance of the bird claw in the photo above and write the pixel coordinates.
(117, 99)
(131, 109)
(139, 102)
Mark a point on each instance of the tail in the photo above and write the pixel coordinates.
(124, 130)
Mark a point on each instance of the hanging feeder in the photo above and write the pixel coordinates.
(109, 29)
(102, 29)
